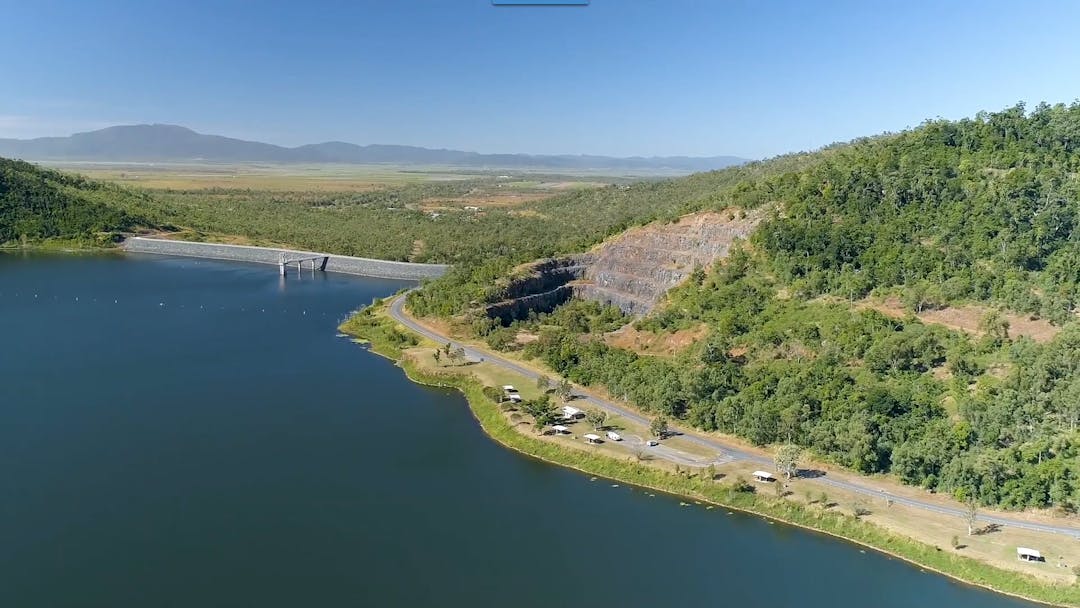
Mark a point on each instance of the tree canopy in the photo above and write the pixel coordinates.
(38, 203)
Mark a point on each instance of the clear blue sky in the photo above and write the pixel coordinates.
(747, 77)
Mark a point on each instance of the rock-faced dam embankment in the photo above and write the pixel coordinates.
(632, 271)
(265, 255)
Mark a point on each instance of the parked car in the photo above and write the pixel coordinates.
(652, 443)
(612, 435)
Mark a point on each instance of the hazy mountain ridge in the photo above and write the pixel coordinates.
(160, 142)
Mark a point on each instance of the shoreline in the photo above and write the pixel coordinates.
(959, 568)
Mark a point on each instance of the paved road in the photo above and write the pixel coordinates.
(724, 452)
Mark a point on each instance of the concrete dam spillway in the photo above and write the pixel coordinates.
(632, 271)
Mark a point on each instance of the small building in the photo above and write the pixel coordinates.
(572, 412)
(1028, 555)
(764, 476)
(612, 435)
(560, 429)
(591, 438)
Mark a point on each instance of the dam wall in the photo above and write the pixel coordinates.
(344, 264)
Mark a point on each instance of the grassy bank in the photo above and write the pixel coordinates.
(387, 339)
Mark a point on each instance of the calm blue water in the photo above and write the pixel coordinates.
(178, 432)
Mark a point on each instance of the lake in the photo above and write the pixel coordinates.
(178, 432)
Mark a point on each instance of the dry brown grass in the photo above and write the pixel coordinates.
(966, 319)
(257, 176)
(489, 201)
(524, 337)
(228, 239)
(661, 344)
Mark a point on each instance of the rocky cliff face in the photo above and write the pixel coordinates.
(635, 269)
(632, 271)
(539, 287)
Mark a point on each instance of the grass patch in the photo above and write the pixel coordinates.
(387, 339)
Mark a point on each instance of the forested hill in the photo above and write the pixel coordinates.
(837, 327)
(983, 209)
(37, 203)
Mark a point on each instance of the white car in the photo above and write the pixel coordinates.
(612, 435)
(652, 443)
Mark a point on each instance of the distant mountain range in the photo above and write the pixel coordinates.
(141, 143)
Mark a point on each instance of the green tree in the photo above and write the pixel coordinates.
(596, 418)
(994, 325)
(786, 459)
(542, 411)
(971, 513)
(659, 427)
(563, 390)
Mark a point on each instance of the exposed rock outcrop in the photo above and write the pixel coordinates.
(539, 287)
(632, 271)
(635, 269)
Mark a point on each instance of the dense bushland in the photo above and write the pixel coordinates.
(37, 203)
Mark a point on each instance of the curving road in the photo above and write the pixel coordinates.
(724, 452)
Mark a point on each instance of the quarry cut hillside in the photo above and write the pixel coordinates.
(632, 271)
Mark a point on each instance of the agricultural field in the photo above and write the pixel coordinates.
(508, 186)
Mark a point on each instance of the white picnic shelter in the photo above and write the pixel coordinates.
(1028, 555)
